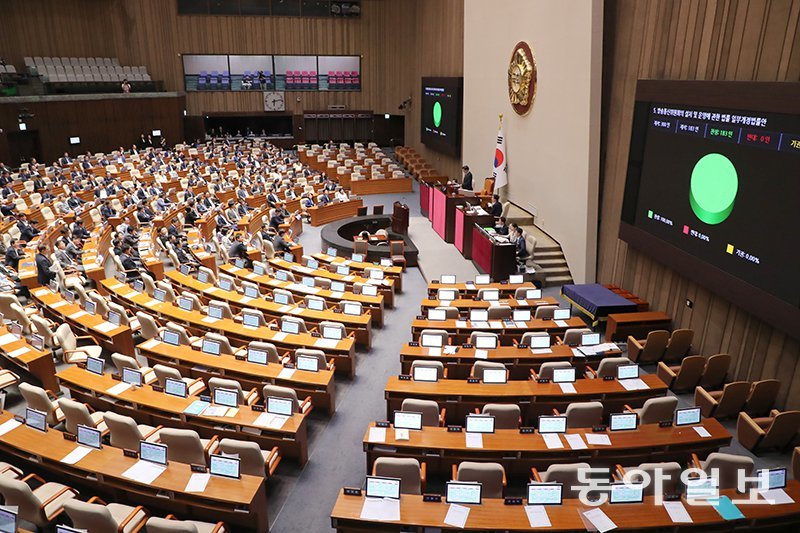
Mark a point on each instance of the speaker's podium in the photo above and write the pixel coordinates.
(400, 216)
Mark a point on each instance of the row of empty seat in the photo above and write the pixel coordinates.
(82, 70)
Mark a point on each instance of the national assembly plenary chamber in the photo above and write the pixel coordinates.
(424, 266)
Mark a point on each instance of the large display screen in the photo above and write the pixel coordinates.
(714, 190)
(441, 114)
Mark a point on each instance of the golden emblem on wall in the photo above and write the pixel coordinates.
(522, 78)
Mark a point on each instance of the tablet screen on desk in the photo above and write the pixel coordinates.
(211, 347)
(701, 488)
(308, 281)
(8, 520)
(225, 284)
(279, 406)
(88, 436)
(552, 424)
(383, 487)
(540, 341)
(332, 251)
(564, 375)
(160, 295)
(175, 387)
(95, 365)
(545, 493)
(258, 269)
(486, 342)
(351, 308)
(447, 295)
(215, 311)
(138, 285)
(490, 295)
(343, 270)
(114, 317)
(628, 371)
(251, 319)
(280, 298)
(332, 332)
(152, 452)
(315, 304)
(357, 258)
(561, 314)
(495, 375)
(282, 275)
(202, 276)
(437, 314)
(515, 279)
(687, 417)
(369, 290)
(35, 419)
(239, 263)
(385, 261)
(171, 337)
(90, 307)
(429, 340)
(37, 341)
(483, 279)
(407, 420)
(69, 296)
(132, 377)
(533, 294)
(626, 493)
(463, 492)
(480, 424)
(447, 279)
(774, 478)
(67, 529)
(312, 263)
(288, 326)
(251, 291)
(225, 466)
(256, 356)
(425, 373)
(226, 397)
(185, 269)
(623, 421)
(185, 303)
(479, 315)
(590, 339)
(287, 256)
(307, 362)
(521, 315)
(338, 286)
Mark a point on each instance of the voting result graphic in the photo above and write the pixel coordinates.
(713, 188)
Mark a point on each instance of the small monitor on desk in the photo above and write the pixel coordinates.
(225, 284)
(210, 347)
(425, 373)
(225, 466)
(480, 424)
(239, 262)
(53, 285)
(153, 453)
(521, 315)
(447, 295)
(351, 308)
(37, 341)
(171, 337)
(491, 295)
(552, 424)
(138, 285)
(590, 339)
(437, 314)
(281, 275)
(485, 342)
(408, 420)
(95, 365)
(533, 294)
(308, 281)
(515, 279)
(69, 296)
(332, 251)
(287, 256)
(160, 295)
(382, 487)
(479, 315)
(316, 304)
(447, 279)
(375, 274)
(338, 286)
(701, 488)
(628, 371)
(369, 290)
(279, 406)
(35, 419)
(545, 493)
(132, 377)
(483, 279)
(386, 262)
(88, 436)
(90, 307)
(331, 332)
(114, 317)
(769, 479)
(226, 397)
(428, 340)
(252, 320)
(258, 270)
(185, 269)
(357, 258)
(280, 298)
(561, 314)
(8, 520)
(185, 303)
(343, 270)
(564, 375)
(623, 421)
(312, 263)
(251, 291)
(540, 341)
(202, 276)
(307, 362)
(687, 417)
(495, 375)
(259, 357)
(623, 492)
(175, 387)
(215, 311)
(463, 492)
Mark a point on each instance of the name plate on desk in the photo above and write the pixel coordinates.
(381, 423)
(200, 469)
(473, 380)
(543, 380)
(454, 429)
(665, 424)
(130, 453)
(512, 501)
(527, 430)
(432, 498)
(413, 344)
(157, 388)
(257, 408)
(522, 346)
(352, 491)
(404, 377)
(69, 436)
(608, 378)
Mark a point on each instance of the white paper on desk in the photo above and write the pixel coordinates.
(401, 434)
(119, 388)
(197, 483)
(326, 343)
(376, 435)
(703, 432)
(575, 441)
(677, 512)
(149, 345)
(284, 309)
(280, 336)
(144, 472)
(567, 388)
(541, 351)
(561, 323)
(212, 290)
(297, 310)
(347, 261)
(209, 320)
(9, 425)
(76, 455)
(381, 509)
(537, 516)
(633, 384)
(116, 286)
(286, 373)
(480, 325)
(776, 496)
(336, 295)
(495, 324)
(304, 270)
(457, 516)
(40, 292)
(552, 441)
(105, 327)
(600, 520)
(481, 354)
(270, 421)
(598, 439)
(576, 352)
(215, 410)
(77, 315)
(8, 337)
(349, 278)
(245, 299)
(151, 303)
(461, 323)
(523, 303)
(470, 285)
(434, 351)
(474, 440)
(60, 303)
(520, 324)
(19, 351)
(251, 275)
(450, 350)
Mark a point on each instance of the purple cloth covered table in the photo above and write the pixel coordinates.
(597, 300)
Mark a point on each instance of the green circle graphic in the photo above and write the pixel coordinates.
(437, 114)
(713, 188)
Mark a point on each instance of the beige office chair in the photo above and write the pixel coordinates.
(545, 312)
(350, 303)
(149, 326)
(10, 471)
(500, 312)
(408, 470)
(726, 466)
(125, 433)
(243, 399)
(95, 515)
(528, 336)
(762, 397)
(125, 361)
(183, 334)
(197, 304)
(684, 377)
(71, 351)
(715, 371)
(649, 350)
(262, 321)
(680, 342)
(492, 477)
(322, 283)
(303, 407)
(322, 362)
(437, 333)
(44, 328)
(40, 506)
(301, 324)
(149, 283)
(473, 338)
(42, 400)
(268, 347)
(572, 336)
(724, 403)
(546, 370)
(506, 416)
(569, 475)
(193, 385)
(656, 410)
(101, 304)
(212, 277)
(584, 414)
(450, 312)
(227, 313)
(125, 318)
(170, 524)
(224, 345)
(479, 367)
(77, 413)
(608, 367)
(254, 460)
(777, 431)
(7, 378)
(431, 415)
(288, 294)
(422, 363)
(669, 473)
(186, 446)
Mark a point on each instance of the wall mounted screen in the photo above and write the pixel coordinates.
(441, 114)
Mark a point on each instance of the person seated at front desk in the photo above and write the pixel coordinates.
(501, 226)
(516, 236)
(238, 250)
(281, 244)
(495, 208)
(323, 199)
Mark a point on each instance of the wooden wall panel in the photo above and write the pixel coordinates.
(705, 40)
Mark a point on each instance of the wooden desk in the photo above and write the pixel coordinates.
(499, 260)
(463, 229)
(394, 272)
(443, 214)
(508, 332)
(620, 325)
(237, 334)
(239, 503)
(112, 338)
(440, 449)
(380, 186)
(470, 289)
(465, 305)
(461, 397)
(518, 361)
(334, 211)
(147, 406)
(360, 326)
(196, 364)
(494, 516)
(38, 364)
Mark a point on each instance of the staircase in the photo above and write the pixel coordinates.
(547, 254)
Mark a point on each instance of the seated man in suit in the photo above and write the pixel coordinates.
(26, 230)
(191, 215)
(495, 208)
(466, 182)
(14, 253)
(280, 244)
(143, 216)
(67, 263)
(44, 267)
(238, 250)
(501, 226)
(521, 247)
(323, 199)
(129, 263)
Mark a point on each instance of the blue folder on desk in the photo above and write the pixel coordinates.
(726, 508)
(196, 407)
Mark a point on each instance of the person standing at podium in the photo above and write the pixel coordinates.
(466, 182)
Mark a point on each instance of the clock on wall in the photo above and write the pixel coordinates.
(522, 78)
(274, 101)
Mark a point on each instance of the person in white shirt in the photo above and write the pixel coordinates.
(341, 195)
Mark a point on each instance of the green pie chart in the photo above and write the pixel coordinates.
(437, 114)
(713, 188)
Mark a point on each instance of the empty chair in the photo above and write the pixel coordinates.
(101, 305)
(479, 367)
(224, 345)
(10, 471)
(186, 446)
(473, 338)
(724, 403)
(71, 351)
(527, 337)
(680, 342)
(231, 384)
(546, 370)
(684, 377)
(44, 328)
(7, 378)
(500, 312)
(545, 312)
(149, 327)
(254, 460)
(506, 416)
(715, 371)
(397, 253)
(569, 475)
(197, 305)
(584, 414)
(608, 366)
(450, 312)
(42, 400)
(649, 350)
(492, 477)
(762, 397)
(97, 516)
(656, 410)
(421, 363)
(778, 430)
(183, 334)
(669, 473)
(319, 355)
(226, 309)
(301, 324)
(77, 413)
(408, 470)
(125, 433)
(351, 304)
(126, 361)
(170, 524)
(289, 296)
(431, 415)
(163, 372)
(267, 347)
(572, 336)
(442, 334)
(725, 467)
(39, 506)
(303, 407)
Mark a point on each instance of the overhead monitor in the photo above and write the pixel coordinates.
(440, 124)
